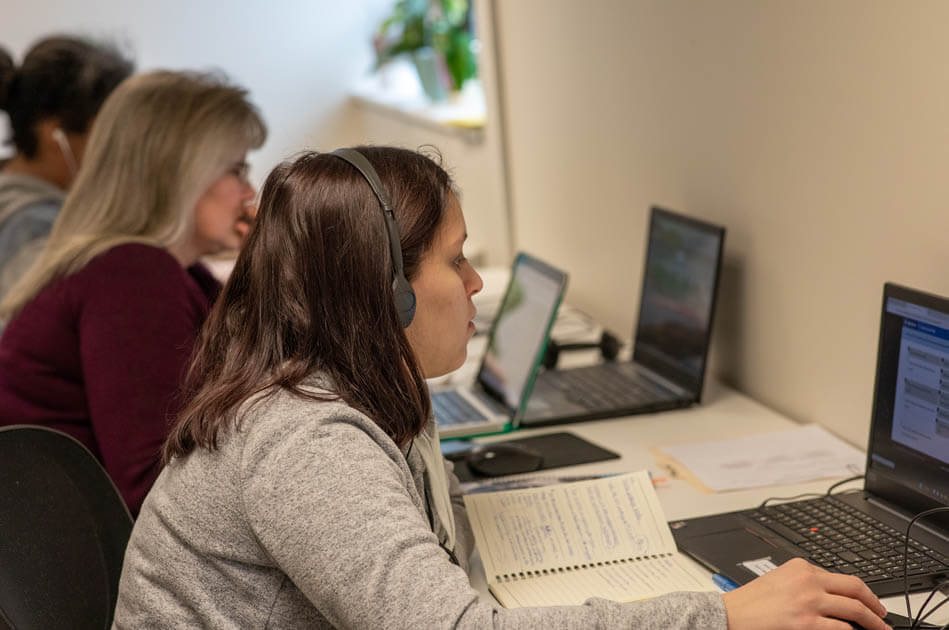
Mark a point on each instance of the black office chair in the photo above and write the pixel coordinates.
(63, 532)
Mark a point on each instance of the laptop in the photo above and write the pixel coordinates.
(670, 340)
(907, 472)
(515, 345)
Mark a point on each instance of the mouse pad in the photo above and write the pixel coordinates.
(559, 450)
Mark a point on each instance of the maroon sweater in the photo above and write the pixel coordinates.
(100, 354)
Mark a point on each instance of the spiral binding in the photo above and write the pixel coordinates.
(525, 575)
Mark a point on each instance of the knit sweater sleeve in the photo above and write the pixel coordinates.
(332, 506)
(138, 318)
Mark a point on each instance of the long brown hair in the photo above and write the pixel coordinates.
(312, 292)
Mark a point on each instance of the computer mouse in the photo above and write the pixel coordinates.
(897, 622)
(503, 458)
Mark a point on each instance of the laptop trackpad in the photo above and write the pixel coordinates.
(739, 554)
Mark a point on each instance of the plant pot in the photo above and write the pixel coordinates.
(432, 72)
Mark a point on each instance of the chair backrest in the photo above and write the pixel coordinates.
(63, 532)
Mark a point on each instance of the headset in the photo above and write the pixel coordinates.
(404, 294)
(609, 345)
(60, 138)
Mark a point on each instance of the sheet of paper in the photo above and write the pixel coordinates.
(782, 457)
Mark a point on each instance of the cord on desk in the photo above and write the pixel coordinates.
(807, 495)
(920, 618)
(842, 482)
(918, 623)
(909, 610)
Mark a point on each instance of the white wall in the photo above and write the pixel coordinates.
(297, 57)
(815, 131)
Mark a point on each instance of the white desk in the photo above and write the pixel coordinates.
(723, 413)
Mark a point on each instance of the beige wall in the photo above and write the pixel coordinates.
(817, 132)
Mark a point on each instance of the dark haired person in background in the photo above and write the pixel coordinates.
(304, 484)
(51, 100)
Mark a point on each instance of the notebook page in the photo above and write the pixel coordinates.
(622, 582)
(569, 525)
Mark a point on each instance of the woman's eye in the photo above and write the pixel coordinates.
(459, 260)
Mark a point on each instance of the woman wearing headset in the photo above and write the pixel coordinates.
(51, 101)
(304, 485)
(103, 323)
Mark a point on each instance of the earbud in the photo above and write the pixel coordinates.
(608, 344)
(60, 138)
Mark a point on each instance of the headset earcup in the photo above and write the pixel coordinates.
(551, 354)
(609, 345)
(404, 300)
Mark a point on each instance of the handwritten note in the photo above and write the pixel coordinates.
(573, 524)
(560, 545)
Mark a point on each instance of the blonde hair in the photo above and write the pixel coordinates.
(158, 143)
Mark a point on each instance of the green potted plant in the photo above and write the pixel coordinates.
(436, 34)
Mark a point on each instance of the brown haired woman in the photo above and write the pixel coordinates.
(304, 485)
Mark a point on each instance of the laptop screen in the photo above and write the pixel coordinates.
(520, 329)
(908, 454)
(680, 283)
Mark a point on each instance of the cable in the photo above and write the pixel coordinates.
(923, 514)
(795, 497)
(811, 494)
(927, 615)
(919, 614)
(842, 482)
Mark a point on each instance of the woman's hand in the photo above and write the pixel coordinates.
(800, 596)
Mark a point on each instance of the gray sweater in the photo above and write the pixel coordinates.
(28, 208)
(309, 516)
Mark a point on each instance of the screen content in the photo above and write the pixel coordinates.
(921, 409)
(519, 331)
(909, 442)
(678, 292)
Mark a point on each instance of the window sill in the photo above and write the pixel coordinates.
(394, 95)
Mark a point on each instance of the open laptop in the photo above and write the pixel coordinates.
(670, 341)
(907, 472)
(515, 345)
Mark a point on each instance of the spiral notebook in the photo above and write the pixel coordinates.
(560, 545)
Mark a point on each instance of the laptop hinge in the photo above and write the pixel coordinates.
(662, 381)
(902, 516)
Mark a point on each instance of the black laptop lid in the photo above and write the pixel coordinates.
(680, 285)
(520, 331)
(908, 453)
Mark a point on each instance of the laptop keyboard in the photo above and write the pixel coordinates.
(451, 408)
(598, 388)
(841, 538)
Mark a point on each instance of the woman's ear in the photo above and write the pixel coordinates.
(55, 152)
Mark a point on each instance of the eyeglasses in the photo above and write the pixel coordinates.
(240, 170)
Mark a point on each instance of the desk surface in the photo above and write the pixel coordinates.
(724, 413)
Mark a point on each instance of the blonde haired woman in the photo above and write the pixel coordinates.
(101, 326)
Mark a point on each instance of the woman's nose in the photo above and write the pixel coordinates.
(476, 283)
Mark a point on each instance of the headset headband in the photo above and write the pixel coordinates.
(404, 295)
